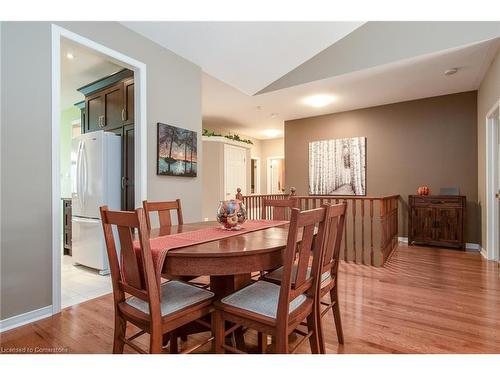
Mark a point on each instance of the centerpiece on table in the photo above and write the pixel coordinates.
(231, 214)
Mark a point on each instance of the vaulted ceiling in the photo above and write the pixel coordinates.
(257, 74)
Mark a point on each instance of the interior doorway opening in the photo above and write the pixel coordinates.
(275, 175)
(493, 182)
(79, 63)
(255, 175)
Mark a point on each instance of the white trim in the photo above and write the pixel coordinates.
(140, 108)
(22, 319)
(468, 245)
(268, 171)
(225, 140)
(492, 167)
(484, 253)
(257, 174)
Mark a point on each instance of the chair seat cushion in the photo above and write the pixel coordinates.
(175, 295)
(278, 273)
(261, 298)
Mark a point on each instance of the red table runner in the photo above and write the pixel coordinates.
(161, 245)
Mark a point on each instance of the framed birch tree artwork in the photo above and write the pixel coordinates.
(337, 167)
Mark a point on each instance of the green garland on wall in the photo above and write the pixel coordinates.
(234, 137)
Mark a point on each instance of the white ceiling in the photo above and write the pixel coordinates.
(409, 79)
(246, 55)
(86, 67)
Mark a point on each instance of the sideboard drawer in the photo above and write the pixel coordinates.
(430, 200)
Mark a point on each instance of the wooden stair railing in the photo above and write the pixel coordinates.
(371, 223)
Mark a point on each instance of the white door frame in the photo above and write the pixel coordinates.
(268, 174)
(492, 169)
(257, 173)
(139, 69)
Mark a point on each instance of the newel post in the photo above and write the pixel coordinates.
(239, 196)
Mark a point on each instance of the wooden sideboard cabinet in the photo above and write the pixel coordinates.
(437, 220)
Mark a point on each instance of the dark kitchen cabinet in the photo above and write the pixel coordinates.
(109, 106)
(128, 91)
(66, 203)
(437, 220)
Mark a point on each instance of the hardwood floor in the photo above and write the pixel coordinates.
(425, 300)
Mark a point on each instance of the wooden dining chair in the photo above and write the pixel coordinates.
(335, 221)
(335, 217)
(155, 309)
(164, 212)
(278, 310)
(277, 209)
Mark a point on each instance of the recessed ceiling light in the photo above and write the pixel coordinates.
(449, 72)
(274, 115)
(320, 100)
(271, 133)
(70, 56)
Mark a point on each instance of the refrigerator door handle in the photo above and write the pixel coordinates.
(85, 173)
(79, 173)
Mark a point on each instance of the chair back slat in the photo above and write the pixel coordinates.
(277, 209)
(336, 220)
(164, 212)
(303, 226)
(304, 255)
(130, 265)
(137, 279)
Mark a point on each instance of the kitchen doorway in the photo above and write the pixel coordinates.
(138, 69)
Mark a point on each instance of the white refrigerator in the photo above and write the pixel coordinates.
(96, 181)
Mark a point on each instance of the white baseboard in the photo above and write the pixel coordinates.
(22, 319)
(468, 246)
(484, 253)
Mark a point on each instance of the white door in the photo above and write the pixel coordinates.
(275, 176)
(235, 170)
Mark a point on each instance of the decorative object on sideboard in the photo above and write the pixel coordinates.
(231, 214)
(423, 190)
(337, 167)
(234, 137)
(176, 151)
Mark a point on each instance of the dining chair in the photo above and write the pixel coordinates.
(158, 310)
(163, 209)
(277, 209)
(278, 310)
(335, 217)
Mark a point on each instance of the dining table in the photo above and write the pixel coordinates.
(228, 261)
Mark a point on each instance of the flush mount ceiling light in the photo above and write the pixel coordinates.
(449, 72)
(271, 133)
(70, 56)
(320, 100)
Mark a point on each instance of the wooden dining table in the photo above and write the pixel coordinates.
(228, 262)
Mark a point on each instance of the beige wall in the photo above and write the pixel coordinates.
(173, 97)
(487, 95)
(431, 141)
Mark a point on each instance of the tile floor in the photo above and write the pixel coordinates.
(80, 283)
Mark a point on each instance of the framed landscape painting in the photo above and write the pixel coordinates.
(337, 167)
(176, 151)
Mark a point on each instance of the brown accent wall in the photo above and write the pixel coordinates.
(430, 141)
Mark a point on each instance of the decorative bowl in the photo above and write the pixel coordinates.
(231, 214)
